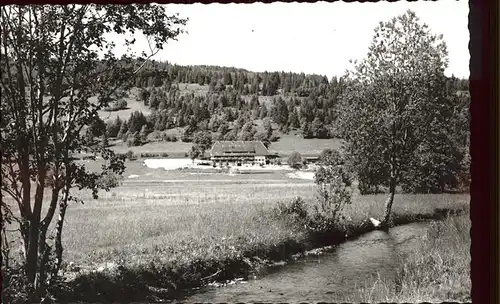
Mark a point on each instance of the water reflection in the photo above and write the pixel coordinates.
(331, 277)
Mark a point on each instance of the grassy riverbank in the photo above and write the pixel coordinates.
(189, 245)
(145, 241)
(438, 270)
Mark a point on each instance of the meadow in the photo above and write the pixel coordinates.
(132, 106)
(140, 220)
(288, 143)
(137, 222)
(171, 229)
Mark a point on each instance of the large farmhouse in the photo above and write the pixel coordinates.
(224, 152)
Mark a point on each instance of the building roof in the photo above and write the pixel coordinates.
(239, 148)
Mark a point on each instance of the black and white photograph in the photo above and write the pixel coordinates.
(235, 153)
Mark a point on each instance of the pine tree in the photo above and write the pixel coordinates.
(245, 90)
(316, 127)
(306, 130)
(263, 111)
(293, 119)
(144, 133)
(267, 127)
(263, 137)
(104, 140)
(114, 127)
(123, 129)
(223, 128)
(280, 112)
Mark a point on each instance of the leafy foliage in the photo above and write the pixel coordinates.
(332, 164)
(55, 59)
(202, 142)
(394, 111)
(295, 160)
(109, 180)
(297, 209)
(333, 194)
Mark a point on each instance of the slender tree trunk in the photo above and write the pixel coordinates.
(388, 203)
(43, 247)
(59, 228)
(32, 254)
(43, 258)
(37, 235)
(31, 226)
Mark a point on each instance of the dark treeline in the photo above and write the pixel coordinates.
(244, 82)
(308, 103)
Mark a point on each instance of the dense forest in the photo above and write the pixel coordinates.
(228, 109)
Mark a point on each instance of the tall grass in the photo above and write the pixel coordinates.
(438, 268)
(174, 235)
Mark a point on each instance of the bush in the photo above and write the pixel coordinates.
(130, 155)
(14, 284)
(274, 138)
(136, 140)
(321, 217)
(109, 180)
(186, 139)
(295, 160)
(297, 209)
(169, 138)
(121, 104)
(333, 195)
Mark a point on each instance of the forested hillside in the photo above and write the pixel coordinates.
(183, 103)
(228, 101)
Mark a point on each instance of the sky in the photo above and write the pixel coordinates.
(314, 38)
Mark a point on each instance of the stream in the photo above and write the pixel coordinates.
(331, 277)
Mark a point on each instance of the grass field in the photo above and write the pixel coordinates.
(438, 270)
(188, 218)
(172, 228)
(177, 149)
(142, 220)
(198, 90)
(169, 209)
(294, 142)
(287, 144)
(132, 106)
(192, 230)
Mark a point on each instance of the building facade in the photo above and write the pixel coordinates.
(239, 152)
